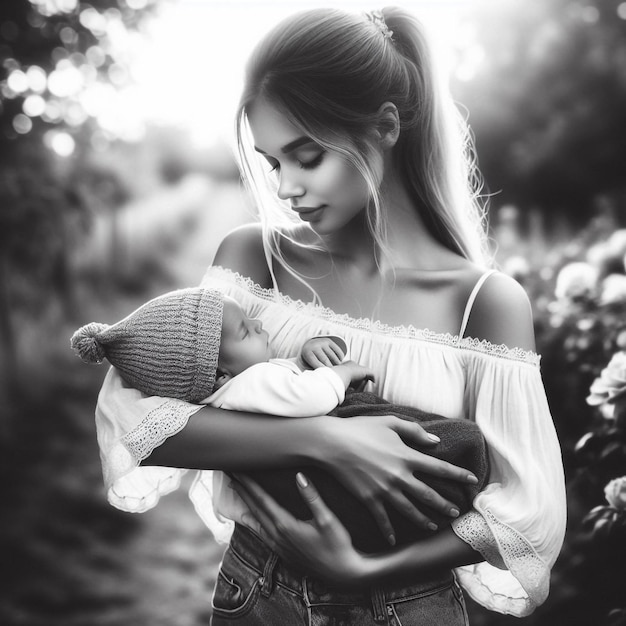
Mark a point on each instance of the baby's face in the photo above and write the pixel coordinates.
(244, 342)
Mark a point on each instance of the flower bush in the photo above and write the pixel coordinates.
(576, 281)
(610, 388)
(615, 493)
(581, 335)
(613, 289)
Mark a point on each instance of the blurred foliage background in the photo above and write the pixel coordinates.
(100, 209)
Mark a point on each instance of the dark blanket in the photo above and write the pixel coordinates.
(461, 444)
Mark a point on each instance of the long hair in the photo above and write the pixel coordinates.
(329, 71)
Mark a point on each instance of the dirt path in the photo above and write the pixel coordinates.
(174, 565)
(69, 558)
(172, 556)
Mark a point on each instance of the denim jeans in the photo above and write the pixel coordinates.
(254, 588)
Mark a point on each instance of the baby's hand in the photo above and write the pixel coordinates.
(354, 375)
(323, 352)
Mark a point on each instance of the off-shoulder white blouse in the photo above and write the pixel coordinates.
(518, 521)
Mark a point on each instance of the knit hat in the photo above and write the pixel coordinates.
(167, 347)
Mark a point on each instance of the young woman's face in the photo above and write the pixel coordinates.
(244, 342)
(323, 187)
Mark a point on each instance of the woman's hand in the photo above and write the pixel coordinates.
(370, 455)
(322, 544)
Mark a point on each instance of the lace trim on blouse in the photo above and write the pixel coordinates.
(481, 346)
(475, 531)
(522, 560)
(504, 548)
(166, 420)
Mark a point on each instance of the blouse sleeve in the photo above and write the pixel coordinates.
(130, 425)
(518, 520)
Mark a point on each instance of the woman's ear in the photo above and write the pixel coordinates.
(388, 125)
(221, 378)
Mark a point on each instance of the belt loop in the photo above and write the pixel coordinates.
(266, 578)
(379, 606)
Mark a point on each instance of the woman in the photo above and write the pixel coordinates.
(370, 230)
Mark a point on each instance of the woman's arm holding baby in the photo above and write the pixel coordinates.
(237, 441)
(369, 454)
(326, 548)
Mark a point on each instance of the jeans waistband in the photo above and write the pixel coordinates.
(258, 555)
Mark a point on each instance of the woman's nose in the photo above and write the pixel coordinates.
(288, 186)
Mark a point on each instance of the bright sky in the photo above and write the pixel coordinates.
(189, 70)
(186, 65)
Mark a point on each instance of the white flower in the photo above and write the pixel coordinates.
(576, 280)
(616, 243)
(611, 384)
(609, 256)
(516, 266)
(613, 289)
(615, 493)
(598, 254)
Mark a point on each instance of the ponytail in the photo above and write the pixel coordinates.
(435, 153)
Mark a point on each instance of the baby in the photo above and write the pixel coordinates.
(199, 345)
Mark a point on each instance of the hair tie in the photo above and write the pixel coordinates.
(378, 19)
(86, 344)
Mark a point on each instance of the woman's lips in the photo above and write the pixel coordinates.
(309, 213)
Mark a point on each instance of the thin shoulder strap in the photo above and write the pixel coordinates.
(470, 300)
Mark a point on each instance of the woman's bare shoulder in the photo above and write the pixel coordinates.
(502, 313)
(242, 251)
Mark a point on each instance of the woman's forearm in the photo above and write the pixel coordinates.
(441, 552)
(235, 441)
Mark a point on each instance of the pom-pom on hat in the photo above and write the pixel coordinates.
(167, 347)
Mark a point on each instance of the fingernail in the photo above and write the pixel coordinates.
(302, 481)
(434, 438)
(432, 526)
(454, 512)
(472, 479)
(392, 539)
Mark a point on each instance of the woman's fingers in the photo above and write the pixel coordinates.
(326, 522)
(407, 508)
(322, 515)
(421, 492)
(436, 467)
(380, 515)
(414, 433)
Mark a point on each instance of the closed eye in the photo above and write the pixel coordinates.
(309, 165)
(305, 165)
